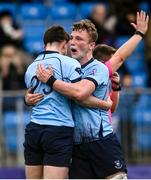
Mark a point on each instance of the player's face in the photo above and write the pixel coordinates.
(79, 44)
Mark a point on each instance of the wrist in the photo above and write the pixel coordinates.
(116, 86)
(140, 33)
(51, 81)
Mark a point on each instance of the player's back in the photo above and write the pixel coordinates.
(54, 109)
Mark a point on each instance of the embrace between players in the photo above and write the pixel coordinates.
(70, 133)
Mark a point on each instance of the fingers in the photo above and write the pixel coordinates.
(134, 25)
(39, 70)
(116, 77)
(143, 15)
(142, 22)
(50, 69)
(115, 80)
(43, 74)
(115, 74)
(147, 19)
(137, 17)
(35, 100)
(32, 99)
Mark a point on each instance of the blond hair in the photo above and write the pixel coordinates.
(87, 25)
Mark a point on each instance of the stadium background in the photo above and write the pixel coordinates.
(132, 121)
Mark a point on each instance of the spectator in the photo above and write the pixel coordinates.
(123, 26)
(13, 65)
(9, 30)
(13, 59)
(148, 52)
(98, 17)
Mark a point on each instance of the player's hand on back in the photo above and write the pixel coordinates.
(142, 20)
(31, 99)
(116, 84)
(115, 78)
(43, 74)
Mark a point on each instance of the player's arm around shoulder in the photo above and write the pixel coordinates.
(76, 90)
(93, 102)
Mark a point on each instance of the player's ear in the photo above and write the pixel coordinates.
(64, 47)
(92, 45)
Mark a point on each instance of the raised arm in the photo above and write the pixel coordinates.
(127, 48)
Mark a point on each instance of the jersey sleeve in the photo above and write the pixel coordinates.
(98, 75)
(75, 73)
(108, 65)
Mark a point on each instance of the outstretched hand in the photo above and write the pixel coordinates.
(43, 74)
(141, 22)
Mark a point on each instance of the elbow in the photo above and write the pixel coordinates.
(120, 57)
(79, 96)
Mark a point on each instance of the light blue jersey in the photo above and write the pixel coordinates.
(93, 123)
(54, 109)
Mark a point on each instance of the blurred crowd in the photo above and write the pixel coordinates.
(13, 57)
(111, 18)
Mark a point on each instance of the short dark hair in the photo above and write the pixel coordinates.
(5, 13)
(86, 24)
(103, 52)
(55, 33)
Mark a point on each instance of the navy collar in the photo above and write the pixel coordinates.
(47, 52)
(84, 65)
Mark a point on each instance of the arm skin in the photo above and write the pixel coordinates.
(81, 90)
(124, 52)
(127, 48)
(115, 96)
(78, 91)
(93, 102)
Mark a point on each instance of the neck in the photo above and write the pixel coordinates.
(86, 58)
(53, 47)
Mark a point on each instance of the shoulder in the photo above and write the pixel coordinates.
(70, 61)
(100, 65)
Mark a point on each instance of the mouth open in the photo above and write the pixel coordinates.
(73, 50)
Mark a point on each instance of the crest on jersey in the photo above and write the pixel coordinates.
(118, 164)
(78, 70)
(93, 72)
